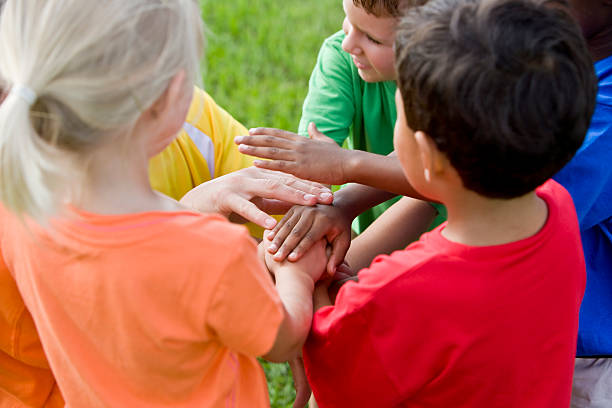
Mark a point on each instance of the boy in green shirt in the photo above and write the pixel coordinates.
(350, 99)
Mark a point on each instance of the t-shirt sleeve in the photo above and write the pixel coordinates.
(245, 312)
(329, 103)
(588, 176)
(223, 129)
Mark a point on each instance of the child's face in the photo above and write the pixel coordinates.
(369, 40)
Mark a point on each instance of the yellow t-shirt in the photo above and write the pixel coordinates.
(204, 149)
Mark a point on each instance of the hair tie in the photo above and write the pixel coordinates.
(24, 92)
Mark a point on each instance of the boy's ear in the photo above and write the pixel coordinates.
(171, 95)
(433, 160)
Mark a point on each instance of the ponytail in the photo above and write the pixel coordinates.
(96, 67)
(29, 172)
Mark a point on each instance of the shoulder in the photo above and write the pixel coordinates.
(332, 52)
(402, 271)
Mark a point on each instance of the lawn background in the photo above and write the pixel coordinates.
(259, 56)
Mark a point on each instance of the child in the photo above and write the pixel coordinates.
(76, 135)
(27, 379)
(494, 98)
(588, 178)
(351, 90)
(350, 96)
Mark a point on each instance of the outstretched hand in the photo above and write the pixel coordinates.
(303, 226)
(254, 193)
(317, 158)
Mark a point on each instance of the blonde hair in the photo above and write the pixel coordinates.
(94, 67)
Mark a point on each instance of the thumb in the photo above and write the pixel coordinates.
(314, 133)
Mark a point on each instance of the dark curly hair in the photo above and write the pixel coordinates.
(505, 88)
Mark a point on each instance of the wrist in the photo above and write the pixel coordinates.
(352, 164)
(298, 276)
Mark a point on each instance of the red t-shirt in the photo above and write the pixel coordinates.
(441, 324)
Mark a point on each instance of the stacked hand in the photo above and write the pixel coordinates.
(254, 193)
(317, 158)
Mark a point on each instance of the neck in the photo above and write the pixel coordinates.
(117, 182)
(480, 221)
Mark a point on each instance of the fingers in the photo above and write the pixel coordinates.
(286, 166)
(300, 183)
(279, 133)
(289, 236)
(272, 153)
(340, 246)
(251, 212)
(277, 189)
(317, 231)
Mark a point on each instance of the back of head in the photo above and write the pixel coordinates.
(79, 72)
(505, 88)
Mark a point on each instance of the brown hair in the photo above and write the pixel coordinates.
(386, 8)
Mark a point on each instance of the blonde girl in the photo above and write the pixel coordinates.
(138, 301)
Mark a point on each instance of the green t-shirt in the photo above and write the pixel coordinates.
(361, 115)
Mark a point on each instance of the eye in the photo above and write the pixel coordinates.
(373, 40)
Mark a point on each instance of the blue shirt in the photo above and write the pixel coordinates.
(588, 178)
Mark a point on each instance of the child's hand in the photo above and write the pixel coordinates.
(302, 226)
(318, 158)
(311, 263)
(252, 193)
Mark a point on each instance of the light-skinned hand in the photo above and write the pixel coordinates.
(254, 193)
(312, 262)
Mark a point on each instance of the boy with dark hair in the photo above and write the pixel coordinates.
(494, 98)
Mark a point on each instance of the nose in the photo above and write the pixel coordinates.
(349, 44)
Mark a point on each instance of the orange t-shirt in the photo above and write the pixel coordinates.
(147, 310)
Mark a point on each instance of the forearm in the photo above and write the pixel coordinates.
(354, 199)
(321, 297)
(382, 172)
(295, 290)
(401, 224)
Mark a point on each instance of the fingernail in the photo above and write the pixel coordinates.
(270, 223)
(238, 139)
(293, 255)
(309, 196)
(325, 196)
(272, 248)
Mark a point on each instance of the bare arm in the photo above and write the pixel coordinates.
(401, 224)
(295, 284)
(320, 159)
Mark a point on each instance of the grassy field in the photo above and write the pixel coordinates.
(258, 60)
(260, 55)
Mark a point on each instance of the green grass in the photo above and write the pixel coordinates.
(259, 57)
(260, 54)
